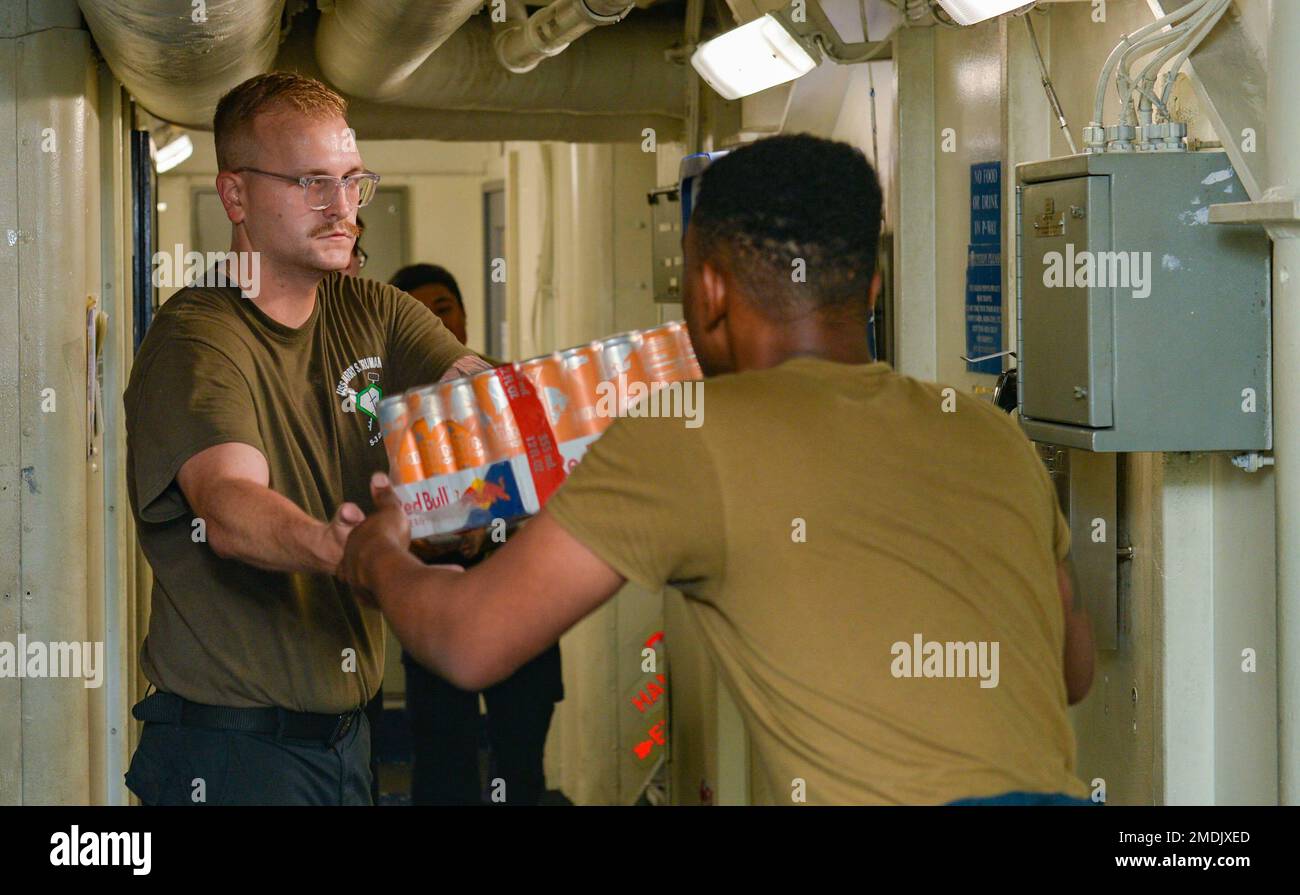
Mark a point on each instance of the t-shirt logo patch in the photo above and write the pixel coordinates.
(366, 395)
(368, 401)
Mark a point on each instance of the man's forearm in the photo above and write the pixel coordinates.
(475, 628)
(253, 524)
(424, 606)
(466, 365)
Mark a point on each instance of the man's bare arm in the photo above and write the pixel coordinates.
(475, 628)
(1078, 635)
(227, 486)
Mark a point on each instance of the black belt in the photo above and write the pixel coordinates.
(168, 708)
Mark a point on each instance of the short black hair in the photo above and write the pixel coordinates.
(413, 276)
(772, 203)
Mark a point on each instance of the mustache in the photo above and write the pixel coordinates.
(347, 227)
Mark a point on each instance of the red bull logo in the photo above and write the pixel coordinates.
(483, 493)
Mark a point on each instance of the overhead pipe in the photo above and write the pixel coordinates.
(178, 59)
(609, 87)
(372, 47)
(615, 71)
(549, 31)
(390, 121)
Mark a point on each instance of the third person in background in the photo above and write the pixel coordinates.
(444, 718)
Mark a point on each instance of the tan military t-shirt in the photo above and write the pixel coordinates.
(213, 369)
(821, 519)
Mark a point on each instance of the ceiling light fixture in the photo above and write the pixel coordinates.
(776, 48)
(968, 12)
(173, 152)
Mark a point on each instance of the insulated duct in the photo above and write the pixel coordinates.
(176, 58)
(610, 71)
(371, 47)
(392, 121)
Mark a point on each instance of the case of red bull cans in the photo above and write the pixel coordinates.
(468, 452)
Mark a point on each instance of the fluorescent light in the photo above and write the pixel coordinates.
(176, 151)
(757, 55)
(968, 12)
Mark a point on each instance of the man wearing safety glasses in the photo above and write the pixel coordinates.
(251, 432)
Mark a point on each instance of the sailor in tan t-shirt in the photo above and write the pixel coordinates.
(878, 565)
(251, 429)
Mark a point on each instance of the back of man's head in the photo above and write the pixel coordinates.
(795, 221)
(271, 93)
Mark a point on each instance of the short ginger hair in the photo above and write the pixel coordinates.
(276, 91)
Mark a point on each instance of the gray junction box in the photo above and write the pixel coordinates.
(1142, 326)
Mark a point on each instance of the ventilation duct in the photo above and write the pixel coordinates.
(176, 58)
(444, 84)
(619, 70)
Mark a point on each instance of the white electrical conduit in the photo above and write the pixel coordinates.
(1188, 31)
(1108, 69)
(178, 68)
(1141, 41)
(1124, 82)
(549, 31)
(1131, 89)
(1172, 74)
(1199, 27)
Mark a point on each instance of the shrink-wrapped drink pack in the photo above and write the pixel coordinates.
(465, 453)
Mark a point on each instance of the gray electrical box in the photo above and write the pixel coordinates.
(1141, 325)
